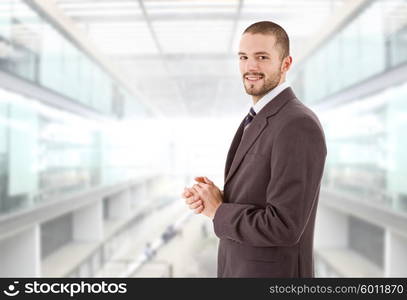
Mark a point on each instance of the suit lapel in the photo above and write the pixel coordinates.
(233, 148)
(251, 134)
(240, 145)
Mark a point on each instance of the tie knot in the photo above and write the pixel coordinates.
(249, 118)
(252, 112)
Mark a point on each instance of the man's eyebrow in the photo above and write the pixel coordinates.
(256, 53)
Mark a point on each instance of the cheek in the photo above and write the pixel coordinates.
(272, 70)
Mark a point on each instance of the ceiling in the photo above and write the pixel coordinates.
(181, 54)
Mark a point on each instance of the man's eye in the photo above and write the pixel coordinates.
(243, 57)
(262, 57)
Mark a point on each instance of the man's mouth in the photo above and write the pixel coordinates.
(253, 78)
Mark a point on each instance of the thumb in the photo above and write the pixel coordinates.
(208, 181)
(200, 179)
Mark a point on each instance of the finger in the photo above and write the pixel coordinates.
(198, 186)
(202, 185)
(197, 191)
(196, 204)
(193, 192)
(191, 200)
(187, 192)
(199, 209)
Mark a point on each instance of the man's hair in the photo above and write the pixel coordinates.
(268, 27)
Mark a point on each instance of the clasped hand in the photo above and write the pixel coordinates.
(203, 197)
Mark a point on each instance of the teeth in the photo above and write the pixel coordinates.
(253, 78)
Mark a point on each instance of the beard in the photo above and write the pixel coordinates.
(270, 82)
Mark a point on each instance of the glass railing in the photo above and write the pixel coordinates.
(373, 42)
(47, 153)
(366, 148)
(34, 49)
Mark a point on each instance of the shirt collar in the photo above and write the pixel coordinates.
(270, 96)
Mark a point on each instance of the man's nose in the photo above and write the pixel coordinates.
(251, 65)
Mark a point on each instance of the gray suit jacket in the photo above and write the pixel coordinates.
(272, 182)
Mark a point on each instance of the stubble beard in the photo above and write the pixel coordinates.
(269, 84)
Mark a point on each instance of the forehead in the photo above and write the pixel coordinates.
(252, 43)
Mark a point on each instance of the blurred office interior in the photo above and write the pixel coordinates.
(108, 108)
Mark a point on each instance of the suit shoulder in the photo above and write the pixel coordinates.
(295, 112)
(299, 121)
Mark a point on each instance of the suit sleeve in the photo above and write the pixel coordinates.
(297, 163)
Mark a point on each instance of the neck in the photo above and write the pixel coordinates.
(256, 99)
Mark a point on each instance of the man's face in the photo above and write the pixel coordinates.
(260, 63)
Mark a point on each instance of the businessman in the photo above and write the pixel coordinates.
(265, 215)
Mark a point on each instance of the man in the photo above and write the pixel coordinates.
(265, 215)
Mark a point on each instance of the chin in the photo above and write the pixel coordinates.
(254, 92)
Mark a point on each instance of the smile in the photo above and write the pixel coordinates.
(252, 78)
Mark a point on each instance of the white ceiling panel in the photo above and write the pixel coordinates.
(182, 53)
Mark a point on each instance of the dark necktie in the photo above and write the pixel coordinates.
(238, 138)
(249, 118)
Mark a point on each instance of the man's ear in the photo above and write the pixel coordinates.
(286, 64)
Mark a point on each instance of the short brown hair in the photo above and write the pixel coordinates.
(268, 27)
